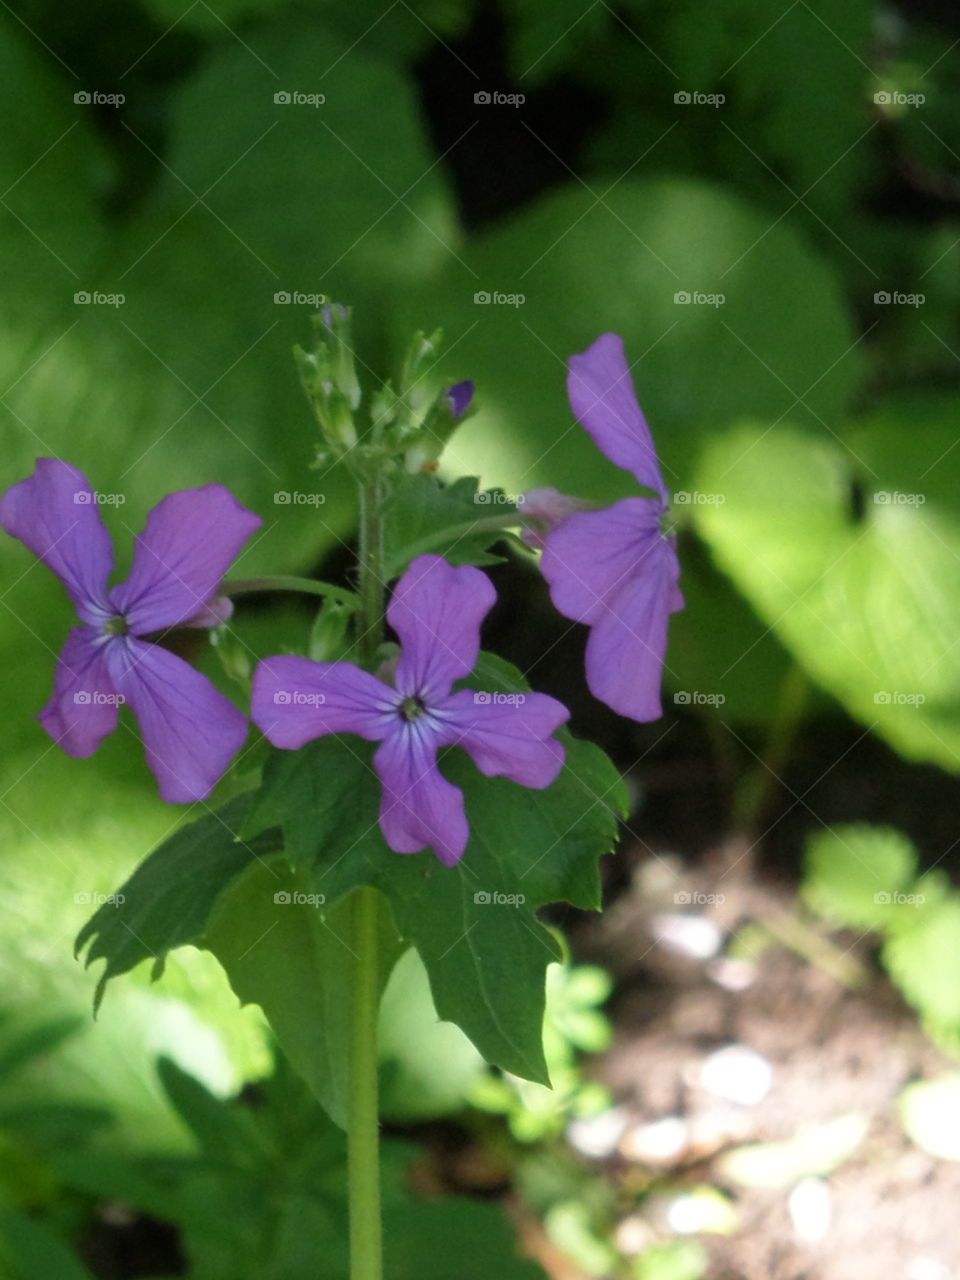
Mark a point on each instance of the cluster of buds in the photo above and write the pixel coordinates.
(409, 423)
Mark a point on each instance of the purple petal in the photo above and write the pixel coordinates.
(592, 554)
(54, 512)
(295, 700)
(604, 402)
(419, 808)
(458, 397)
(507, 734)
(189, 729)
(628, 640)
(548, 508)
(84, 705)
(190, 540)
(436, 610)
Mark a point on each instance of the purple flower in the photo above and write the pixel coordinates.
(436, 611)
(189, 729)
(615, 569)
(458, 397)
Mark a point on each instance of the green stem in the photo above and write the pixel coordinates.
(371, 570)
(289, 582)
(753, 792)
(363, 1134)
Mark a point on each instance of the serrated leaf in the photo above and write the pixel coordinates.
(294, 959)
(459, 521)
(474, 924)
(168, 899)
(855, 873)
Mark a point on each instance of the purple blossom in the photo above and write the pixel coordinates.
(436, 611)
(189, 729)
(458, 397)
(615, 569)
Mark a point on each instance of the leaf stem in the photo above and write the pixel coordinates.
(289, 582)
(371, 569)
(363, 1135)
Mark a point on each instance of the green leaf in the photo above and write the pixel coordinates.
(285, 950)
(869, 605)
(168, 899)
(855, 874)
(458, 521)
(30, 1248)
(474, 924)
(226, 1134)
(921, 957)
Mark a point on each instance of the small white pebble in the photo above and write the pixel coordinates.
(731, 973)
(689, 934)
(658, 1143)
(736, 1073)
(810, 1206)
(597, 1136)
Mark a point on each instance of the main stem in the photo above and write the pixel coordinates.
(363, 1131)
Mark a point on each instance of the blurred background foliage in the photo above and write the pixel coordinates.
(807, 427)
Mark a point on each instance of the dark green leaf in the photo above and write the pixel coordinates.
(459, 521)
(167, 900)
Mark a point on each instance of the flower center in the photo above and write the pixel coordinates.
(411, 708)
(116, 626)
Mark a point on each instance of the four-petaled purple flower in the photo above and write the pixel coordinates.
(436, 611)
(189, 729)
(615, 569)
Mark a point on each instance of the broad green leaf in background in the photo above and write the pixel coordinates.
(855, 873)
(614, 257)
(868, 603)
(474, 925)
